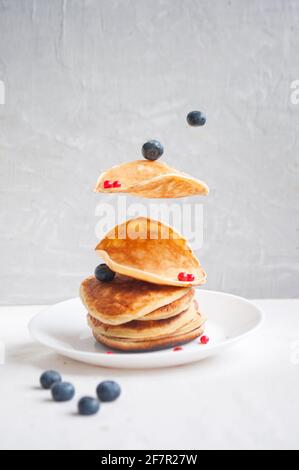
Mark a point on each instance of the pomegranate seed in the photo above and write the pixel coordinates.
(177, 348)
(108, 184)
(182, 277)
(190, 277)
(116, 184)
(204, 339)
(109, 352)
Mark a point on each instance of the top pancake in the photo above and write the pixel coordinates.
(125, 299)
(148, 250)
(151, 179)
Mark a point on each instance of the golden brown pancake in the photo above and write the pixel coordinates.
(125, 299)
(157, 337)
(139, 330)
(151, 179)
(172, 309)
(150, 345)
(148, 250)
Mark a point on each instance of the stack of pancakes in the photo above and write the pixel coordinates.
(130, 313)
(133, 315)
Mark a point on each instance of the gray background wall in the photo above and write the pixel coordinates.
(87, 82)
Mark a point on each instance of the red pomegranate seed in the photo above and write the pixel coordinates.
(190, 277)
(177, 348)
(182, 277)
(116, 184)
(108, 184)
(109, 352)
(204, 339)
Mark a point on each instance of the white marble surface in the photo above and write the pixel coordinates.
(245, 398)
(89, 81)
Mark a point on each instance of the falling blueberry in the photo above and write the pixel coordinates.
(108, 390)
(49, 378)
(196, 118)
(62, 391)
(152, 150)
(88, 406)
(103, 273)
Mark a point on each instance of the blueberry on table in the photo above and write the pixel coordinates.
(103, 273)
(62, 391)
(196, 118)
(108, 390)
(88, 406)
(152, 150)
(49, 378)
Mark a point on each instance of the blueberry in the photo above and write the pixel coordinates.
(103, 273)
(108, 390)
(196, 118)
(152, 150)
(88, 406)
(62, 391)
(49, 378)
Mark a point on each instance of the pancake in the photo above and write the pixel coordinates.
(151, 251)
(151, 179)
(172, 309)
(150, 345)
(125, 299)
(187, 333)
(139, 330)
(192, 328)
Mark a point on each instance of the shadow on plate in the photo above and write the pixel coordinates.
(33, 354)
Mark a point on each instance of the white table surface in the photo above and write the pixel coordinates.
(248, 397)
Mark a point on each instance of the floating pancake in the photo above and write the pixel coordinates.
(151, 179)
(172, 309)
(148, 250)
(125, 299)
(139, 330)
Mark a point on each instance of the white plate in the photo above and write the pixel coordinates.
(63, 328)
